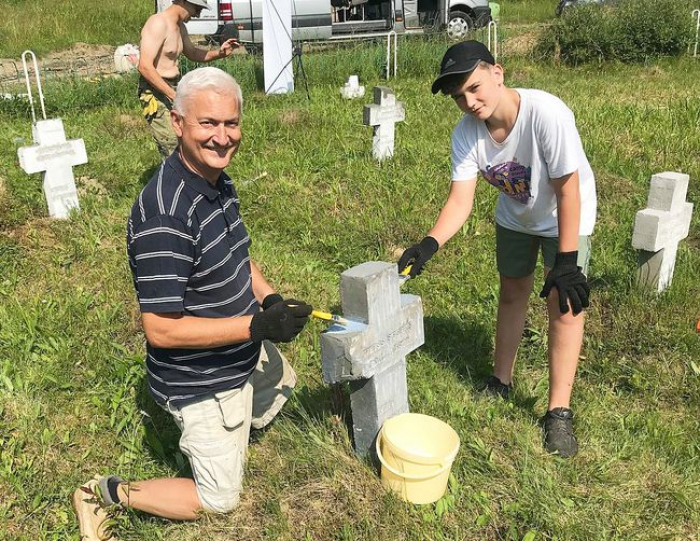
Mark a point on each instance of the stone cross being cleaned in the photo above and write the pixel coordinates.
(660, 227)
(370, 351)
(383, 114)
(54, 157)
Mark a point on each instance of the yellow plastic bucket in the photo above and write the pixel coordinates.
(416, 452)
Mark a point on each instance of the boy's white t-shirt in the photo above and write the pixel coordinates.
(543, 144)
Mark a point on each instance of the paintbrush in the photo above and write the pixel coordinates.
(404, 275)
(327, 316)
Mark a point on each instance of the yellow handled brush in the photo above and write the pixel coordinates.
(405, 275)
(327, 316)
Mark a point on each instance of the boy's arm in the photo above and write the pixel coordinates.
(568, 196)
(153, 37)
(565, 275)
(454, 213)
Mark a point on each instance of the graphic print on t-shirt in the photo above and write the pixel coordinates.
(512, 178)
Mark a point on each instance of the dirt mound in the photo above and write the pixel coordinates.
(81, 60)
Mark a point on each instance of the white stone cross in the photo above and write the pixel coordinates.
(54, 157)
(383, 114)
(352, 89)
(370, 352)
(660, 227)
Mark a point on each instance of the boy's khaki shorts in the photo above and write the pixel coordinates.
(516, 253)
(215, 429)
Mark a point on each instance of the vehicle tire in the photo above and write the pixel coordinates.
(459, 25)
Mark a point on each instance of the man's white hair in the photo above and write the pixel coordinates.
(208, 78)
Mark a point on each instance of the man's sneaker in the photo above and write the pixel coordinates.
(559, 432)
(92, 510)
(495, 387)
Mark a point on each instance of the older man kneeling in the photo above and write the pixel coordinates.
(209, 315)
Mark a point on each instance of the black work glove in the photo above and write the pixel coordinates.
(570, 282)
(418, 255)
(281, 322)
(271, 300)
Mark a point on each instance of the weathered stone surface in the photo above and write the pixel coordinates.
(370, 352)
(374, 401)
(382, 115)
(54, 157)
(660, 227)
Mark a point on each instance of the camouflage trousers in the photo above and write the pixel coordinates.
(156, 110)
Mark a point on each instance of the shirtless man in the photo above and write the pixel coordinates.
(163, 39)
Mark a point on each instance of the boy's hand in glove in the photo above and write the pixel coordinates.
(570, 282)
(418, 255)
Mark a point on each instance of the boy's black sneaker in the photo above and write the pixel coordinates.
(559, 432)
(495, 387)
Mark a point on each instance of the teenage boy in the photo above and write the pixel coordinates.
(525, 143)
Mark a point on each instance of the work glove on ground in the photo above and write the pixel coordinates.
(418, 255)
(271, 300)
(570, 282)
(281, 322)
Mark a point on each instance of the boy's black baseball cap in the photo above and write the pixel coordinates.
(462, 57)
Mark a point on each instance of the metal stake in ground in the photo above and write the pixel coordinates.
(660, 227)
(371, 354)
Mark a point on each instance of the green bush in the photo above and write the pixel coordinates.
(626, 30)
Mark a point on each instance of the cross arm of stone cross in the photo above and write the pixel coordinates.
(666, 220)
(387, 324)
(51, 148)
(385, 108)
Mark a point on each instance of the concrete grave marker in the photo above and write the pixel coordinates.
(370, 352)
(660, 227)
(54, 157)
(51, 154)
(382, 115)
(352, 89)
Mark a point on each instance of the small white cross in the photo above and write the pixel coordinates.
(660, 227)
(382, 115)
(54, 157)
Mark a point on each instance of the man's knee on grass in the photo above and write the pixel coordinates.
(220, 501)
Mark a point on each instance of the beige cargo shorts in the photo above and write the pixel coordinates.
(216, 429)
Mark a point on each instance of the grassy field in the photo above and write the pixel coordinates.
(74, 402)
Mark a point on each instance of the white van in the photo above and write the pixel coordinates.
(344, 19)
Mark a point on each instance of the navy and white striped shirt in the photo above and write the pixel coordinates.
(188, 252)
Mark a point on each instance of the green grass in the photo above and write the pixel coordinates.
(44, 26)
(73, 400)
(516, 12)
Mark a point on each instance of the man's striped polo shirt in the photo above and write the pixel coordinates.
(188, 252)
